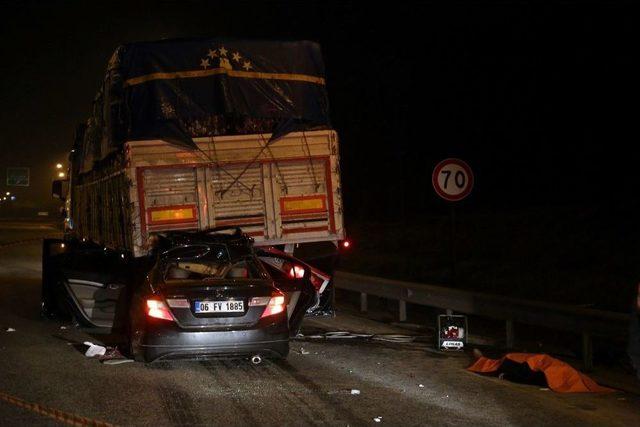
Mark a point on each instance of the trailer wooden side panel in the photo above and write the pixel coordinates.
(286, 192)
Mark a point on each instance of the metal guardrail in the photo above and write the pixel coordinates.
(584, 321)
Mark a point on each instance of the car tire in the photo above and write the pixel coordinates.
(134, 351)
(283, 355)
(133, 339)
(133, 348)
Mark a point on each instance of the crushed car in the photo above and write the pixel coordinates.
(197, 294)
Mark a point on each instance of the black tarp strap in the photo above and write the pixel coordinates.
(313, 170)
(286, 187)
(251, 163)
(217, 165)
(275, 161)
(210, 143)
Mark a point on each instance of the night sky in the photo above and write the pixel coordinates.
(538, 99)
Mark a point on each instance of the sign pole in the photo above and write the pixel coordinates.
(453, 243)
(453, 181)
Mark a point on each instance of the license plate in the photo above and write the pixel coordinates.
(219, 306)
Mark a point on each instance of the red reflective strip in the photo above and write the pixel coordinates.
(303, 230)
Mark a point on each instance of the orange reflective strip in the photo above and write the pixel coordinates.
(303, 204)
(172, 214)
(231, 73)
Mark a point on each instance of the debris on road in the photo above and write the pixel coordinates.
(113, 357)
(421, 385)
(94, 350)
(377, 419)
(345, 334)
(351, 391)
(63, 327)
(116, 361)
(10, 330)
(303, 351)
(398, 338)
(394, 338)
(106, 355)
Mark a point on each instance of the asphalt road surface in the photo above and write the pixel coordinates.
(42, 363)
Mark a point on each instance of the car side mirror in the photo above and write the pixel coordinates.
(59, 189)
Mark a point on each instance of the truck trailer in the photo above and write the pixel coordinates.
(198, 136)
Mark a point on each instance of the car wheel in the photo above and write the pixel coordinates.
(284, 353)
(134, 340)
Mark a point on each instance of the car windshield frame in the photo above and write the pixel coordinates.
(193, 263)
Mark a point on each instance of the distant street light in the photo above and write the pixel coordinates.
(60, 174)
(59, 166)
(8, 193)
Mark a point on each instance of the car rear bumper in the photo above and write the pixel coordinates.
(172, 342)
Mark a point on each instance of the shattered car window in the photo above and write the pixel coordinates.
(207, 262)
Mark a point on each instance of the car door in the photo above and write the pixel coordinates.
(95, 279)
(308, 289)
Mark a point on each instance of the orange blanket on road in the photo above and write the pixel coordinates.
(560, 376)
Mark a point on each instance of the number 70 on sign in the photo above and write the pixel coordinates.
(452, 179)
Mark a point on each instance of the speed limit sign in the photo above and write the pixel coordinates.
(452, 179)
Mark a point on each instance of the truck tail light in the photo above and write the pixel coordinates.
(275, 306)
(158, 309)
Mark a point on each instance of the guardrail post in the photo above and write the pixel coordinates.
(587, 352)
(402, 315)
(510, 333)
(363, 302)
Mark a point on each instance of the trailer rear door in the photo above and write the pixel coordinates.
(285, 193)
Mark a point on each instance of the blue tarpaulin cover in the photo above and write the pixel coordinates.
(177, 90)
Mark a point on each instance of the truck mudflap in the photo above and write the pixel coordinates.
(294, 275)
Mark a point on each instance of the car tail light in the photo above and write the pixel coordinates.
(316, 281)
(346, 244)
(158, 309)
(275, 305)
(257, 301)
(178, 303)
(296, 272)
